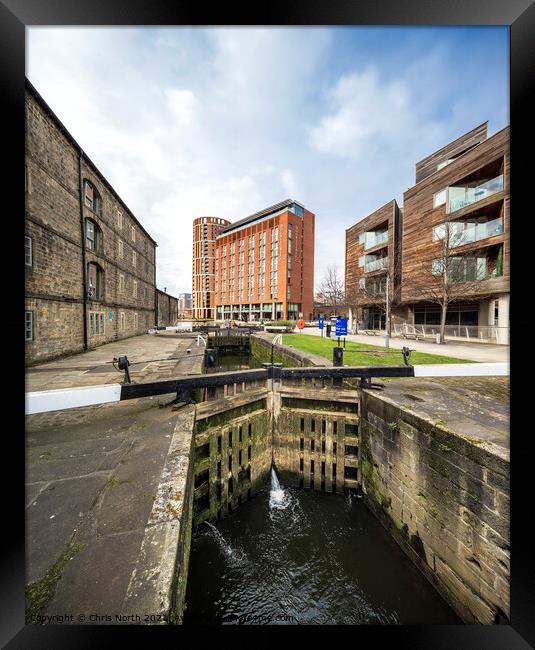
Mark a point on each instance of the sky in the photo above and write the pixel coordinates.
(190, 122)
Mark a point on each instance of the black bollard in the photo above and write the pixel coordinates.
(338, 357)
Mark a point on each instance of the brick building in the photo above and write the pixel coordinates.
(205, 231)
(90, 264)
(264, 265)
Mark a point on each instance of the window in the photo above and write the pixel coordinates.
(135, 289)
(437, 266)
(439, 198)
(28, 325)
(121, 320)
(134, 258)
(121, 282)
(136, 320)
(120, 248)
(133, 233)
(145, 293)
(439, 232)
(362, 238)
(28, 254)
(362, 260)
(92, 198)
(95, 281)
(93, 236)
(119, 220)
(96, 323)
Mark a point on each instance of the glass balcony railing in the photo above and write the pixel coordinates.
(374, 238)
(461, 196)
(378, 264)
(462, 232)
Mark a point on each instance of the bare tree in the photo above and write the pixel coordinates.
(353, 302)
(332, 289)
(380, 292)
(446, 277)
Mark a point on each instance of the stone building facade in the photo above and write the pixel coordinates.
(167, 308)
(90, 264)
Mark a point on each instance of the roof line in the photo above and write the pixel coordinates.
(258, 215)
(31, 88)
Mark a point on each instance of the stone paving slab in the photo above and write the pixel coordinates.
(476, 408)
(95, 580)
(151, 358)
(54, 516)
(92, 475)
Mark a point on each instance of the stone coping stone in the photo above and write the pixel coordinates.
(474, 408)
(153, 581)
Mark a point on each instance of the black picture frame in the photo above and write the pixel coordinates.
(15, 15)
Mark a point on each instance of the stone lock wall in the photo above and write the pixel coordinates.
(446, 501)
(316, 439)
(232, 455)
(443, 497)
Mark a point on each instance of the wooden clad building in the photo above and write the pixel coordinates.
(462, 189)
(372, 255)
(455, 218)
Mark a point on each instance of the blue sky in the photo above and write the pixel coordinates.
(186, 122)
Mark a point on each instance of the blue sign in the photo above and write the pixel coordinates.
(321, 323)
(110, 314)
(341, 327)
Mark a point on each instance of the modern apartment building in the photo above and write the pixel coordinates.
(454, 223)
(90, 264)
(264, 265)
(184, 305)
(205, 231)
(373, 256)
(458, 211)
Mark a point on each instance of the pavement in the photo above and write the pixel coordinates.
(482, 352)
(92, 475)
(152, 357)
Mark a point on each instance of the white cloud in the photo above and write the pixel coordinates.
(365, 112)
(183, 105)
(226, 121)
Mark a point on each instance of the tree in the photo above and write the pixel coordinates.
(332, 289)
(352, 300)
(381, 292)
(445, 277)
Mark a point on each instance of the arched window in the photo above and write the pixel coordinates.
(95, 281)
(93, 236)
(92, 198)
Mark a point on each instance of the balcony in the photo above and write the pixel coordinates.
(465, 232)
(467, 268)
(376, 264)
(373, 286)
(374, 238)
(461, 196)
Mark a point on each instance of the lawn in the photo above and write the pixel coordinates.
(360, 354)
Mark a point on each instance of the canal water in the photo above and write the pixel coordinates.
(295, 556)
(241, 360)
